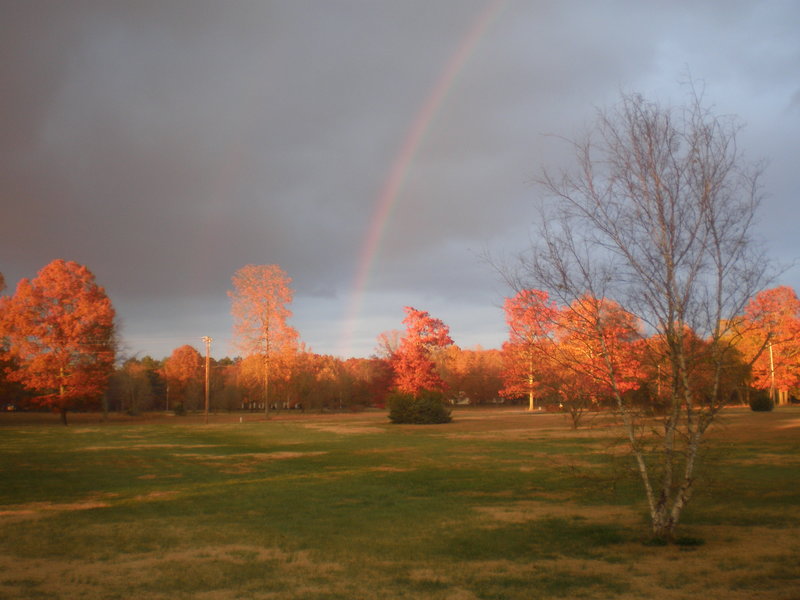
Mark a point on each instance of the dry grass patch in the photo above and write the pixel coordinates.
(141, 575)
(344, 429)
(768, 458)
(533, 510)
(251, 456)
(143, 447)
(34, 510)
(238, 464)
(746, 562)
(156, 496)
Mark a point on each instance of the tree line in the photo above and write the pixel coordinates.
(59, 352)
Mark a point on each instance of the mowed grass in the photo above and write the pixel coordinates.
(497, 504)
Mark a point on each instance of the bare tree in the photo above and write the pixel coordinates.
(658, 217)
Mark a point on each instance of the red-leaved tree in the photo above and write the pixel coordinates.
(531, 319)
(183, 371)
(770, 339)
(414, 369)
(59, 331)
(598, 339)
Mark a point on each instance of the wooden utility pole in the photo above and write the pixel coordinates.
(208, 341)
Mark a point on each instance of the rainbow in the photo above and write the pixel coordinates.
(391, 187)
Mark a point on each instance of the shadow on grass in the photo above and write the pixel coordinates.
(547, 538)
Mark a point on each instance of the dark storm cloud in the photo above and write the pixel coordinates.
(167, 144)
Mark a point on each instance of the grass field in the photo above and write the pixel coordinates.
(498, 504)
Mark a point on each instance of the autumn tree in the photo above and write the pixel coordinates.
(657, 215)
(259, 303)
(183, 371)
(531, 319)
(563, 353)
(471, 375)
(370, 380)
(225, 384)
(131, 388)
(59, 329)
(597, 354)
(412, 362)
(250, 378)
(769, 339)
(598, 338)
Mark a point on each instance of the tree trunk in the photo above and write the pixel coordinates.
(266, 386)
(530, 384)
(663, 526)
(61, 404)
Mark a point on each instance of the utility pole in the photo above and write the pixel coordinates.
(208, 341)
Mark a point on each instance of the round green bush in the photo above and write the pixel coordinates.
(424, 408)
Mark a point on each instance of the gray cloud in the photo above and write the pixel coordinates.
(167, 144)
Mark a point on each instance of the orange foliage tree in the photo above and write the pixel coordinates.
(259, 304)
(598, 356)
(370, 380)
(414, 369)
(531, 318)
(598, 339)
(183, 371)
(770, 339)
(471, 375)
(59, 330)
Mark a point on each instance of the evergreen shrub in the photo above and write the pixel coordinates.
(423, 408)
(760, 401)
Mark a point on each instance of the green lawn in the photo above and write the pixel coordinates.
(497, 504)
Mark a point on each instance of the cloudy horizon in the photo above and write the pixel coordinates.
(167, 144)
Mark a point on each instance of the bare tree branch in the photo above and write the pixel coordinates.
(658, 216)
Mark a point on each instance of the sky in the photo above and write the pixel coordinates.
(376, 150)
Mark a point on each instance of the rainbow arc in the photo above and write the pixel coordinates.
(390, 190)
